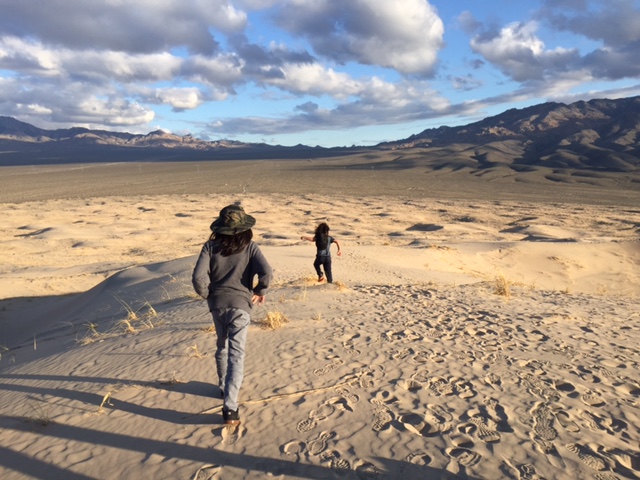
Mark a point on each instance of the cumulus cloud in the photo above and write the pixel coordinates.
(110, 63)
(520, 54)
(615, 24)
(142, 26)
(378, 103)
(405, 35)
(180, 98)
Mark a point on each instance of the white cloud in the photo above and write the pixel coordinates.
(140, 26)
(520, 54)
(405, 35)
(314, 79)
(180, 98)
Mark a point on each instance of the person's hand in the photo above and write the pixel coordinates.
(258, 299)
(339, 253)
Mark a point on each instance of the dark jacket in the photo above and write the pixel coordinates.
(228, 282)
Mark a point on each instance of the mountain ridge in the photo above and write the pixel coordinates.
(598, 135)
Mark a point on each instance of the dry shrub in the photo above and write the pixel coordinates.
(194, 352)
(273, 320)
(503, 287)
(341, 286)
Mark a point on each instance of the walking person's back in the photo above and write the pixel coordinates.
(224, 275)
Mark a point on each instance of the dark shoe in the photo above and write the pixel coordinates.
(320, 278)
(231, 417)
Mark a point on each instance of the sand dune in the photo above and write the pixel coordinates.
(463, 339)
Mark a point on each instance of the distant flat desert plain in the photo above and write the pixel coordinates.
(381, 174)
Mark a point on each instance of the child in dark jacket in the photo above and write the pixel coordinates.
(224, 275)
(323, 243)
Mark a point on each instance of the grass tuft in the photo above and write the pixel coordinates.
(503, 287)
(194, 352)
(40, 415)
(105, 401)
(273, 320)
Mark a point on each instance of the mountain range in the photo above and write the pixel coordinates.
(598, 135)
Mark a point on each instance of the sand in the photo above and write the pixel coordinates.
(463, 338)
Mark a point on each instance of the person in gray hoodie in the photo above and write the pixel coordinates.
(224, 275)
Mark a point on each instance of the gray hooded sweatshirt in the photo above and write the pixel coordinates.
(228, 282)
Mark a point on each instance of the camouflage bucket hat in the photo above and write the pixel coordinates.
(232, 220)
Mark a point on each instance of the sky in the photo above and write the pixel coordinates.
(312, 72)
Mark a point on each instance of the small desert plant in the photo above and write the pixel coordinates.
(40, 415)
(503, 287)
(194, 352)
(105, 401)
(273, 320)
(317, 317)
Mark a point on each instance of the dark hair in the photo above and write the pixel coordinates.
(230, 244)
(321, 236)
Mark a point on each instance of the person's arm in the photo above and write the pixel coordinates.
(264, 272)
(200, 278)
(308, 239)
(338, 245)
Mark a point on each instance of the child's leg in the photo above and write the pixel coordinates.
(316, 265)
(327, 269)
(221, 346)
(238, 325)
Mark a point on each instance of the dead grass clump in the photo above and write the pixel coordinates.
(135, 321)
(273, 320)
(106, 400)
(194, 352)
(40, 414)
(503, 287)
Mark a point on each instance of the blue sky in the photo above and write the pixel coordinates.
(316, 72)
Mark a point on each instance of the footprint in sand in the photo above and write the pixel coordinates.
(565, 421)
(206, 472)
(421, 376)
(366, 470)
(416, 423)
(382, 418)
(592, 399)
(461, 440)
(543, 422)
(231, 434)
(486, 429)
(421, 357)
(628, 461)
(587, 456)
(324, 411)
(306, 425)
(319, 444)
(419, 458)
(328, 367)
(293, 448)
(411, 385)
(399, 354)
(336, 461)
(464, 456)
(368, 377)
(347, 395)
